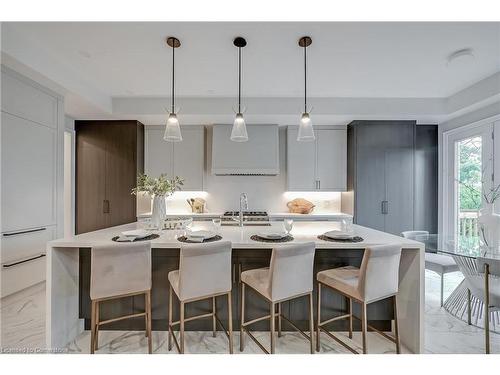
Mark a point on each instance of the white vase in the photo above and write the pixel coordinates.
(489, 222)
(159, 213)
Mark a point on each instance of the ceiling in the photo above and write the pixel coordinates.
(376, 60)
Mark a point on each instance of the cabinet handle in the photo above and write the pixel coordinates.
(385, 207)
(239, 273)
(8, 265)
(23, 232)
(105, 206)
(319, 184)
(234, 273)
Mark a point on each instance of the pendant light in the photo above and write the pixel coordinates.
(306, 131)
(172, 128)
(239, 132)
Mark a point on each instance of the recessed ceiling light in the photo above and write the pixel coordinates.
(464, 54)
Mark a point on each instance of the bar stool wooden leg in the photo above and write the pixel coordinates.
(350, 317)
(170, 318)
(364, 323)
(92, 328)
(242, 318)
(396, 325)
(96, 340)
(148, 322)
(311, 322)
(182, 327)
(230, 321)
(214, 321)
(279, 319)
(318, 318)
(273, 319)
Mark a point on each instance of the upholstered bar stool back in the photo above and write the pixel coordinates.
(379, 272)
(204, 269)
(120, 270)
(204, 273)
(291, 271)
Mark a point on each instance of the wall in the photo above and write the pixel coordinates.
(264, 192)
(466, 119)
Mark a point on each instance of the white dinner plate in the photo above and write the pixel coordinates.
(137, 233)
(339, 235)
(205, 234)
(272, 235)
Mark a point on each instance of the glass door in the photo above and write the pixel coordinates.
(470, 172)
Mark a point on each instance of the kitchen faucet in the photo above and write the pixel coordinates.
(243, 206)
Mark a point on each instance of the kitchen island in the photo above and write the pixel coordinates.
(68, 274)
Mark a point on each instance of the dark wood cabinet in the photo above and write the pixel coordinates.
(109, 155)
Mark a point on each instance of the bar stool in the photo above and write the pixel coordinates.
(289, 276)
(118, 271)
(491, 269)
(375, 280)
(204, 273)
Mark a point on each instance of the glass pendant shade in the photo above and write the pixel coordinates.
(306, 131)
(172, 129)
(239, 132)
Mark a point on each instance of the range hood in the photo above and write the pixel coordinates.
(258, 156)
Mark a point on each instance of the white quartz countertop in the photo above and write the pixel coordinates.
(240, 237)
(272, 215)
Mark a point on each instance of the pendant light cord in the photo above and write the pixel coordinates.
(173, 78)
(305, 78)
(239, 79)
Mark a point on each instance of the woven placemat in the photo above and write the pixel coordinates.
(346, 240)
(148, 238)
(213, 239)
(261, 239)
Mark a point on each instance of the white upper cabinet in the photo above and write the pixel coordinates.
(320, 165)
(184, 159)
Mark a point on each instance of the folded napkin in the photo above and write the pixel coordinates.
(125, 239)
(195, 239)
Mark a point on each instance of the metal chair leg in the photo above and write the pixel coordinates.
(318, 317)
(96, 339)
(442, 289)
(182, 328)
(214, 320)
(273, 320)
(364, 323)
(148, 322)
(170, 318)
(396, 325)
(230, 321)
(350, 318)
(279, 319)
(487, 308)
(469, 309)
(92, 328)
(311, 322)
(242, 318)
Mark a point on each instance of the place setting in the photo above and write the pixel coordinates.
(202, 236)
(135, 235)
(276, 236)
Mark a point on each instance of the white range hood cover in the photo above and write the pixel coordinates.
(258, 156)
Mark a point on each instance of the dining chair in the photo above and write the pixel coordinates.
(437, 263)
(490, 268)
(117, 271)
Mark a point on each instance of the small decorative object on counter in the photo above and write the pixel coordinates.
(300, 206)
(197, 205)
(159, 188)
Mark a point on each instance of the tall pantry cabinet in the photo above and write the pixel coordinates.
(392, 175)
(109, 155)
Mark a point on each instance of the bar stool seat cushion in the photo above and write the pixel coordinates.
(258, 279)
(343, 279)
